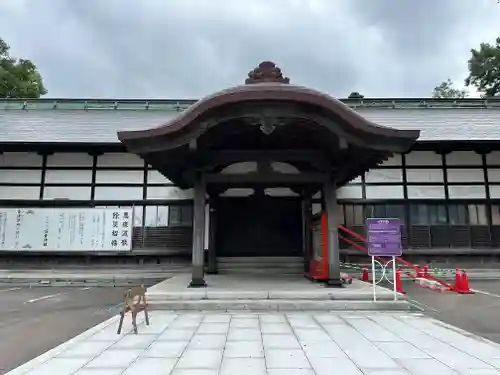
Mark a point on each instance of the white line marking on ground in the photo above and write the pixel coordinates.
(423, 305)
(486, 293)
(87, 288)
(9, 290)
(44, 297)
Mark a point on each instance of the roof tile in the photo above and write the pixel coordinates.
(99, 123)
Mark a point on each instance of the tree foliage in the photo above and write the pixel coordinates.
(484, 68)
(446, 90)
(355, 95)
(19, 78)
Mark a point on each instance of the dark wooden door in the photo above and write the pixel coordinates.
(258, 226)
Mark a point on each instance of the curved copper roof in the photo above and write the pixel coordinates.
(266, 83)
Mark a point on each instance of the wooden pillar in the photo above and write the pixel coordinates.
(197, 266)
(212, 225)
(332, 237)
(306, 230)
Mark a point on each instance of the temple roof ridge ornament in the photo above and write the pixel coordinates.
(267, 71)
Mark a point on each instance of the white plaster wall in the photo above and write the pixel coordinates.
(425, 175)
(20, 159)
(68, 176)
(426, 192)
(168, 192)
(384, 192)
(119, 160)
(19, 192)
(419, 158)
(495, 191)
(22, 176)
(118, 193)
(384, 175)
(357, 180)
(66, 192)
(79, 159)
(395, 160)
(119, 177)
(493, 174)
(493, 158)
(155, 177)
(463, 158)
(467, 192)
(465, 175)
(350, 192)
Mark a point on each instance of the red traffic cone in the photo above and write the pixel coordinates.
(464, 284)
(399, 284)
(458, 281)
(364, 275)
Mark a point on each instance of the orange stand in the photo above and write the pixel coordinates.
(318, 268)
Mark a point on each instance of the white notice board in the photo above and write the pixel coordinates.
(66, 229)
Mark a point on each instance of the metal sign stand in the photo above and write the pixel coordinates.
(384, 239)
(394, 278)
(374, 282)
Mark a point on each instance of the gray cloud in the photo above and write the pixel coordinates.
(190, 48)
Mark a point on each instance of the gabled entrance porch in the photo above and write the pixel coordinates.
(280, 136)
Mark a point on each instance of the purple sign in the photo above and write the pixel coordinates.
(384, 237)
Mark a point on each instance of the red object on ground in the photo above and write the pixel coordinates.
(458, 281)
(419, 272)
(399, 284)
(426, 271)
(346, 279)
(318, 268)
(411, 266)
(364, 276)
(464, 284)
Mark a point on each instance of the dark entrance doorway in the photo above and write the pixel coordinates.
(259, 226)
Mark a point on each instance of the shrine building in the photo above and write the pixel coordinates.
(242, 172)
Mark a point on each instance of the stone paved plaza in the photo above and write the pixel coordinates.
(181, 343)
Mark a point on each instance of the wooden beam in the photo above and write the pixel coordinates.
(267, 178)
(226, 157)
(306, 231)
(198, 252)
(332, 237)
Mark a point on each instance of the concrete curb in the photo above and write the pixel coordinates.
(279, 305)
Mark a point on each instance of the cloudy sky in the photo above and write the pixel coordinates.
(190, 48)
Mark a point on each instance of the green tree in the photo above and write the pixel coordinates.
(446, 90)
(484, 68)
(355, 95)
(19, 78)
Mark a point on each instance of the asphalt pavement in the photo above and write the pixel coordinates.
(478, 313)
(35, 320)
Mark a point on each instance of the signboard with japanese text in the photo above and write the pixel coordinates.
(66, 229)
(384, 237)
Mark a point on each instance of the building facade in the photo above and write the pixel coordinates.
(445, 189)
